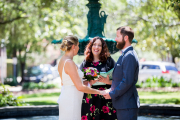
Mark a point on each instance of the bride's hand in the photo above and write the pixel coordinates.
(102, 92)
(85, 83)
(91, 82)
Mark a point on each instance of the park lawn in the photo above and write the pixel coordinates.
(145, 97)
(41, 98)
(160, 97)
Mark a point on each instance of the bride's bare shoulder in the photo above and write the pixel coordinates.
(69, 62)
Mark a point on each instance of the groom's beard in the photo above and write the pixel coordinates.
(120, 45)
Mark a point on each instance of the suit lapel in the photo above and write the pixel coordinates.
(120, 58)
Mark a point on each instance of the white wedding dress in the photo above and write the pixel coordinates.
(70, 99)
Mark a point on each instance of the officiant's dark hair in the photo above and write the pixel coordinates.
(126, 30)
(104, 52)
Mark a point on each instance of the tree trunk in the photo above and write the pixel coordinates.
(22, 60)
(173, 59)
(22, 64)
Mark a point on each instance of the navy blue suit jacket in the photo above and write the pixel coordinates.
(123, 92)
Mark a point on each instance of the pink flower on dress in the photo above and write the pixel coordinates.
(87, 100)
(95, 95)
(101, 88)
(93, 118)
(105, 109)
(84, 117)
(95, 63)
(92, 109)
(114, 111)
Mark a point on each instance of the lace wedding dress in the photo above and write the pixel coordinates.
(70, 99)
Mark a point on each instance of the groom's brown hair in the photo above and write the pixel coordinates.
(126, 30)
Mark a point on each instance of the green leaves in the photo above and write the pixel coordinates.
(8, 99)
(32, 86)
(157, 82)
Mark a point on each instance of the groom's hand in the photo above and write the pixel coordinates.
(107, 96)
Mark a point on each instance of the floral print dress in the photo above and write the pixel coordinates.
(97, 107)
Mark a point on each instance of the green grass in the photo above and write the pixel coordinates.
(41, 98)
(159, 97)
(145, 97)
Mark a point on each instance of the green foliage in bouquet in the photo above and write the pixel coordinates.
(90, 73)
(8, 99)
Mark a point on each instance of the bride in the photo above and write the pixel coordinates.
(70, 99)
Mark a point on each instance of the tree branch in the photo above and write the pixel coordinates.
(170, 25)
(9, 21)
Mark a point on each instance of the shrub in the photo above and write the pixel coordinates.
(41, 85)
(139, 85)
(175, 84)
(8, 99)
(157, 82)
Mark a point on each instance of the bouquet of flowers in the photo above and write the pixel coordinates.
(90, 73)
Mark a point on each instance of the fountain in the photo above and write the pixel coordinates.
(96, 21)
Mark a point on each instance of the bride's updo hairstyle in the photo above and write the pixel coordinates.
(68, 42)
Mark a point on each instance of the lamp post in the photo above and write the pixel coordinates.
(3, 61)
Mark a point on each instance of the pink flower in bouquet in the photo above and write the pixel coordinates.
(114, 111)
(87, 100)
(84, 117)
(88, 73)
(92, 71)
(105, 109)
(92, 109)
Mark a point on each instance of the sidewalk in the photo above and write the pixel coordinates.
(15, 89)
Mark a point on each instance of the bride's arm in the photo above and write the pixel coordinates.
(72, 71)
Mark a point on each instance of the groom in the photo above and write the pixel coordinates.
(125, 75)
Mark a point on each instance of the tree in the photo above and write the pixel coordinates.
(175, 5)
(155, 26)
(24, 24)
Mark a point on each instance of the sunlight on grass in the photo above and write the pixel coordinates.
(145, 97)
(41, 98)
(159, 97)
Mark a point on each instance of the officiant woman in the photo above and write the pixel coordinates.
(97, 55)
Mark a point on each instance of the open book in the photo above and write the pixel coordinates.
(104, 74)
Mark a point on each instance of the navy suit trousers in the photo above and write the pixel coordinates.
(127, 114)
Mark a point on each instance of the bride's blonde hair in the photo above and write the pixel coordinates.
(68, 42)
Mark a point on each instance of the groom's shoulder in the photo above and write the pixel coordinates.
(129, 53)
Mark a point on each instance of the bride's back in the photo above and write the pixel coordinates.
(65, 78)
